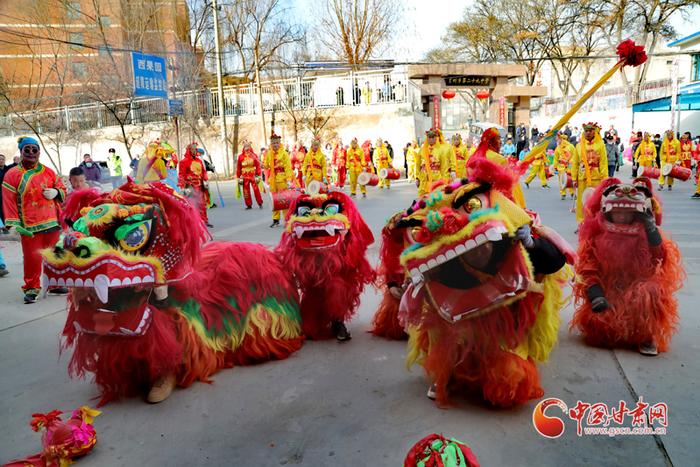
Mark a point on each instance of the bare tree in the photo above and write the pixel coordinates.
(358, 30)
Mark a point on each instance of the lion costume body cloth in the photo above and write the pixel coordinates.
(324, 246)
(481, 308)
(636, 274)
(148, 297)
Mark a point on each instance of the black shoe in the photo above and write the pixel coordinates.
(260, 206)
(563, 197)
(661, 188)
(4, 272)
(670, 188)
(213, 206)
(274, 224)
(58, 291)
(209, 225)
(545, 187)
(248, 207)
(527, 185)
(353, 195)
(340, 331)
(695, 196)
(30, 297)
(364, 195)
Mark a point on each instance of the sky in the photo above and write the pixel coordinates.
(427, 21)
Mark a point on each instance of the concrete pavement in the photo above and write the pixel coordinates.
(355, 403)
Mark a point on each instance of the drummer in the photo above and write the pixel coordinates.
(382, 160)
(314, 167)
(279, 168)
(356, 164)
(670, 154)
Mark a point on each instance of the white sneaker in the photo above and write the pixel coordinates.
(432, 392)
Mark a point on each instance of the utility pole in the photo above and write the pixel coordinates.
(220, 86)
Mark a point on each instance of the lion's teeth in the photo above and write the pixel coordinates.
(101, 286)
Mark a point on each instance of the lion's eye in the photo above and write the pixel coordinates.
(331, 209)
(132, 238)
(303, 211)
(473, 204)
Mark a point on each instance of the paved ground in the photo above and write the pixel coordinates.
(355, 404)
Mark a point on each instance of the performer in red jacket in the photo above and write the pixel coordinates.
(248, 173)
(193, 180)
(339, 163)
(32, 195)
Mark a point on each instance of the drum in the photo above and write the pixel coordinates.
(548, 172)
(565, 180)
(281, 200)
(315, 187)
(389, 173)
(676, 171)
(586, 194)
(649, 172)
(368, 179)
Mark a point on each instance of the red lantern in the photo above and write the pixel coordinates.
(448, 93)
(483, 94)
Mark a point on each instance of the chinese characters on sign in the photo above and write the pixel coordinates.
(150, 77)
(436, 112)
(502, 111)
(468, 80)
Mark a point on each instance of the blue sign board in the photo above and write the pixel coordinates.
(150, 75)
(175, 107)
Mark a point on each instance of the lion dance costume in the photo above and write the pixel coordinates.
(627, 270)
(485, 294)
(324, 246)
(149, 302)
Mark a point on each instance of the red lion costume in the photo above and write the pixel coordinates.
(151, 306)
(391, 279)
(627, 270)
(324, 246)
(485, 291)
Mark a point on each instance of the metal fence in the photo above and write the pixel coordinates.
(341, 90)
(614, 98)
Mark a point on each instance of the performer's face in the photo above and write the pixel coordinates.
(30, 154)
(431, 140)
(353, 144)
(275, 144)
(589, 133)
(669, 135)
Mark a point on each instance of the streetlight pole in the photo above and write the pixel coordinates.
(220, 86)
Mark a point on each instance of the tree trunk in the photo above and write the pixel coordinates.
(260, 99)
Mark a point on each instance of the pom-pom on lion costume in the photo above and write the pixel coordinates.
(627, 270)
(324, 247)
(486, 288)
(152, 306)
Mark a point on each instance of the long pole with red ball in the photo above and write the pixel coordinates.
(630, 54)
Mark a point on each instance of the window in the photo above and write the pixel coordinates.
(76, 39)
(73, 10)
(79, 69)
(695, 67)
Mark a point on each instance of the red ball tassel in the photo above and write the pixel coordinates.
(630, 53)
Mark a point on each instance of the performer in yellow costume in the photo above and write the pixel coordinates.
(356, 164)
(562, 155)
(314, 167)
(411, 160)
(432, 161)
(152, 165)
(460, 156)
(538, 167)
(490, 147)
(278, 169)
(670, 154)
(589, 165)
(645, 155)
(382, 160)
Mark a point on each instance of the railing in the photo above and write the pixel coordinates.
(341, 90)
(607, 99)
